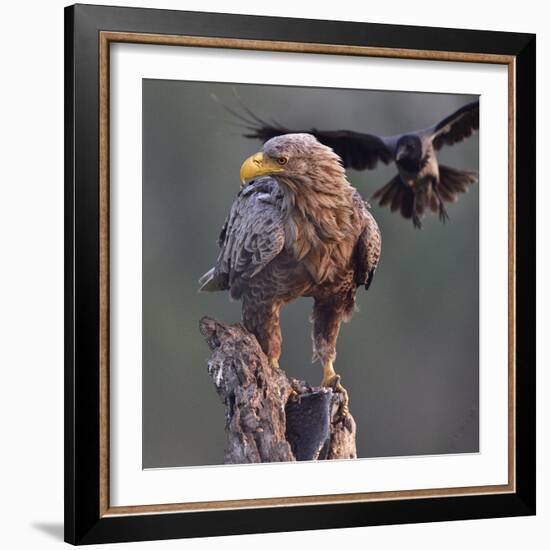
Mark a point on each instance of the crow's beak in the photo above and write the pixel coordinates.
(401, 153)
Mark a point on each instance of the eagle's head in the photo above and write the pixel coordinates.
(295, 159)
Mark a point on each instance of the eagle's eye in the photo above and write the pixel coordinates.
(282, 160)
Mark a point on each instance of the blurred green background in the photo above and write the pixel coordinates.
(409, 357)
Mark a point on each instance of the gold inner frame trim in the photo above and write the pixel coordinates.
(105, 39)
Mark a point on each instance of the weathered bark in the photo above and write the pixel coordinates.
(270, 418)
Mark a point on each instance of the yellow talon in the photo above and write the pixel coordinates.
(332, 380)
(329, 375)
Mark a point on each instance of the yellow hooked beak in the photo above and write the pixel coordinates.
(257, 165)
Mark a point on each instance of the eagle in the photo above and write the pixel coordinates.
(421, 182)
(296, 228)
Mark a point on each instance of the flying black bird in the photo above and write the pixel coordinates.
(421, 182)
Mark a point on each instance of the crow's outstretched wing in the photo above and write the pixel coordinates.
(456, 127)
(362, 151)
(357, 150)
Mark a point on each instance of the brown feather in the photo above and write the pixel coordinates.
(304, 232)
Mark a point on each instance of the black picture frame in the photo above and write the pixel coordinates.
(84, 523)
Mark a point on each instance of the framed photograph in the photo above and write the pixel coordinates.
(244, 194)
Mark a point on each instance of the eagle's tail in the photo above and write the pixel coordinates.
(208, 282)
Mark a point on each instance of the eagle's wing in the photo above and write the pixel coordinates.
(456, 127)
(357, 150)
(367, 250)
(252, 236)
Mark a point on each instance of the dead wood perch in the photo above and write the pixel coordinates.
(270, 418)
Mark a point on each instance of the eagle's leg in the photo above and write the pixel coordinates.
(262, 320)
(327, 316)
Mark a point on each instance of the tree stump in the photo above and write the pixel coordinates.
(268, 417)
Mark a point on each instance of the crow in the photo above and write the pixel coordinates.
(421, 182)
